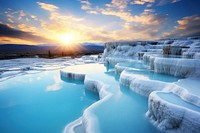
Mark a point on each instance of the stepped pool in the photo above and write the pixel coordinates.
(46, 102)
(120, 109)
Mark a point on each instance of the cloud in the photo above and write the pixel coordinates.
(187, 26)
(9, 17)
(86, 5)
(142, 2)
(118, 5)
(142, 26)
(55, 25)
(21, 14)
(62, 24)
(148, 11)
(48, 7)
(6, 31)
(146, 25)
(33, 16)
(16, 16)
(164, 2)
(119, 8)
(10, 20)
(26, 28)
(146, 18)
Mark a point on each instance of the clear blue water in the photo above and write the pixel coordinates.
(140, 70)
(46, 103)
(124, 112)
(41, 103)
(172, 98)
(148, 74)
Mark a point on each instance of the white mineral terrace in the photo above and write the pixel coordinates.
(185, 92)
(170, 82)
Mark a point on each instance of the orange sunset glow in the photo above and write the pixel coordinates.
(71, 22)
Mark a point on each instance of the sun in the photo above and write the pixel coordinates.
(68, 38)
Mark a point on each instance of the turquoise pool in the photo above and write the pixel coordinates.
(45, 102)
(41, 103)
(122, 111)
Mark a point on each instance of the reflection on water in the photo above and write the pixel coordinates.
(49, 102)
(86, 68)
(41, 103)
(151, 75)
(56, 86)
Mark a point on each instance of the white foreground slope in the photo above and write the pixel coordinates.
(171, 113)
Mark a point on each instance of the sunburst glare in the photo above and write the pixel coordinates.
(68, 38)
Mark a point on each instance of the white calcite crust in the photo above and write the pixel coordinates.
(171, 117)
(70, 75)
(119, 67)
(180, 67)
(141, 86)
(74, 126)
(177, 67)
(168, 116)
(89, 119)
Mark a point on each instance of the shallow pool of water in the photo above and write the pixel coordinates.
(149, 74)
(174, 99)
(45, 102)
(41, 103)
(124, 111)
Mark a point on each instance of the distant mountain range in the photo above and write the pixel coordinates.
(44, 49)
(11, 51)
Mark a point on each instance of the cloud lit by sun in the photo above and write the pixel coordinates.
(113, 20)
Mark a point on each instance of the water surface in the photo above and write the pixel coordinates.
(41, 103)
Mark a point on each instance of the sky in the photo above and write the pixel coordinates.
(77, 21)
